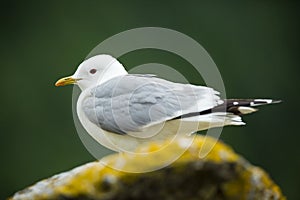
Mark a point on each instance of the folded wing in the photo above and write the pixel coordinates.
(131, 102)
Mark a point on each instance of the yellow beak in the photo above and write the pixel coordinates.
(66, 81)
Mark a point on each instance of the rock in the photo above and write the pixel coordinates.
(221, 174)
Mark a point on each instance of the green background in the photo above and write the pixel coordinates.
(255, 45)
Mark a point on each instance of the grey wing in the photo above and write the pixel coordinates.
(131, 102)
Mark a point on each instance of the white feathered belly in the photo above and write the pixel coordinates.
(160, 132)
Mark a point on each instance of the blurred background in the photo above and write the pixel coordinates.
(255, 46)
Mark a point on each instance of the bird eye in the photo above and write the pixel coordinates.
(93, 71)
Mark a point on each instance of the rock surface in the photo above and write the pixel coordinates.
(221, 174)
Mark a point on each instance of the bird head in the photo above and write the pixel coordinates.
(94, 71)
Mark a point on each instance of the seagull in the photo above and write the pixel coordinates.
(122, 111)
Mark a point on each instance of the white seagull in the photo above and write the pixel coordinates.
(122, 111)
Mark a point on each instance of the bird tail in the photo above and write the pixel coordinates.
(241, 106)
(233, 106)
(227, 113)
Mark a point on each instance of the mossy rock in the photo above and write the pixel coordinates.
(221, 174)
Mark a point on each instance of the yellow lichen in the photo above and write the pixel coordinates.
(100, 180)
(83, 182)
